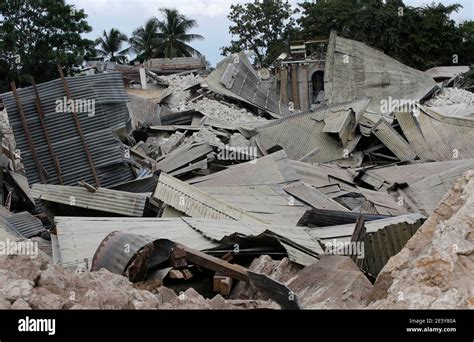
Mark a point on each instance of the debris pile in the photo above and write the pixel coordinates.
(188, 190)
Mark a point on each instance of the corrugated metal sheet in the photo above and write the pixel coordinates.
(106, 200)
(235, 77)
(410, 174)
(313, 197)
(178, 158)
(111, 113)
(428, 192)
(439, 137)
(326, 218)
(22, 224)
(381, 245)
(344, 232)
(300, 135)
(384, 203)
(270, 204)
(216, 230)
(447, 71)
(272, 169)
(195, 202)
(354, 70)
(79, 237)
(395, 143)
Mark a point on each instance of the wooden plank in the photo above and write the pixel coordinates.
(215, 264)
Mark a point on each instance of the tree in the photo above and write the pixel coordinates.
(36, 35)
(145, 39)
(421, 37)
(111, 46)
(261, 26)
(173, 36)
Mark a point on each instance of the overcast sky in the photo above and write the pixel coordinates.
(211, 15)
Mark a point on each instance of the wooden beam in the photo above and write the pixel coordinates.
(79, 128)
(27, 133)
(214, 264)
(41, 115)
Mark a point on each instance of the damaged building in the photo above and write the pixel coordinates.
(333, 180)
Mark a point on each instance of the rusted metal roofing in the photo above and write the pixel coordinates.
(195, 202)
(22, 224)
(106, 200)
(79, 237)
(354, 69)
(395, 143)
(384, 203)
(272, 169)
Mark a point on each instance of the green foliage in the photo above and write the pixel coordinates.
(421, 37)
(144, 40)
(36, 35)
(173, 36)
(110, 46)
(261, 26)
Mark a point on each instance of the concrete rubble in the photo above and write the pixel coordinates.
(236, 188)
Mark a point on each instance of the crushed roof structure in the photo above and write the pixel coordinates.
(355, 70)
(57, 149)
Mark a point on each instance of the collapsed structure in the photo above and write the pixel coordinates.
(218, 184)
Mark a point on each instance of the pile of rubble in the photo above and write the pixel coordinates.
(214, 191)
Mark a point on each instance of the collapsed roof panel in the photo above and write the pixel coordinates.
(302, 136)
(22, 225)
(272, 169)
(195, 202)
(354, 70)
(437, 137)
(79, 237)
(105, 200)
(58, 145)
(235, 77)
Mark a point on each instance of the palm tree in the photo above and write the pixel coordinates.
(173, 35)
(110, 46)
(144, 40)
